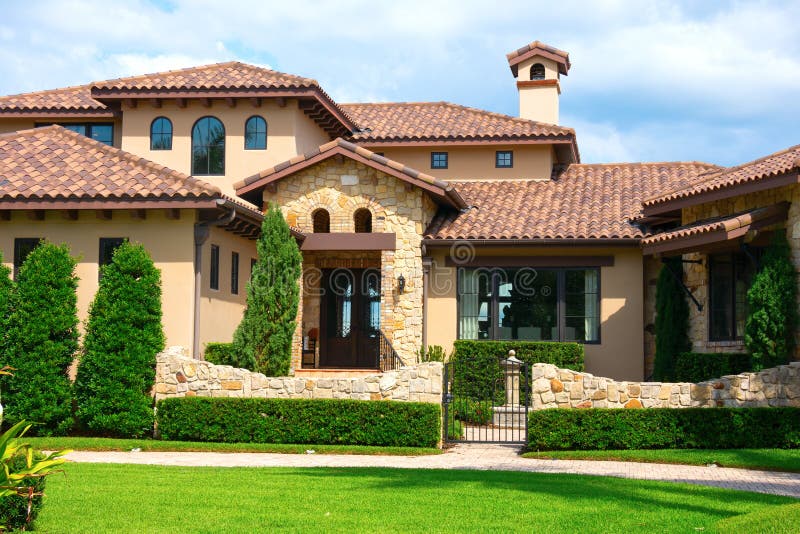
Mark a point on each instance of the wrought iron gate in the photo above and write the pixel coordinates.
(486, 400)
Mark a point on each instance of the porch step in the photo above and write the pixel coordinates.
(509, 416)
(335, 373)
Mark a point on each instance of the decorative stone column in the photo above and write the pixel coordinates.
(512, 368)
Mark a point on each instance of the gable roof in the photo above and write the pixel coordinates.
(775, 170)
(538, 48)
(582, 201)
(54, 168)
(440, 190)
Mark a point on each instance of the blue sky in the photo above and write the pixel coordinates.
(705, 80)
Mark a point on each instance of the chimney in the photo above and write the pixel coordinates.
(538, 68)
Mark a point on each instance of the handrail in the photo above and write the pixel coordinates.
(388, 360)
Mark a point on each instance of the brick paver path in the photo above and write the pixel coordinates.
(472, 456)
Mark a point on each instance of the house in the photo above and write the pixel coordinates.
(419, 223)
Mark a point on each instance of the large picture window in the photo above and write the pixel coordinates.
(208, 147)
(729, 277)
(529, 304)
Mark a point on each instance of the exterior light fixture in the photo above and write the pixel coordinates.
(401, 284)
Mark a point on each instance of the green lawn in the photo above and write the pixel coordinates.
(127, 498)
(769, 459)
(109, 444)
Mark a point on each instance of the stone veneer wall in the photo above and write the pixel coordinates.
(177, 375)
(396, 207)
(562, 388)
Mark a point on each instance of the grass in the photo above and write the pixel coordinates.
(111, 444)
(101, 498)
(768, 459)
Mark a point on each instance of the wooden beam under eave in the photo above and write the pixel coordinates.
(173, 214)
(103, 215)
(5, 215)
(231, 102)
(281, 102)
(255, 102)
(156, 103)
(205, 102)
(139, 214)
(69, 215)
(130, 103)
(36, 215)
(181, 102)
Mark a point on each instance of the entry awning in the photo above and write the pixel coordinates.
(348, 241)
(707, 232)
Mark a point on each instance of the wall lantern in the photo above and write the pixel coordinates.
(401, 284)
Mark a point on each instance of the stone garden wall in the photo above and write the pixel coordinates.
(562, 388)
(178, 375)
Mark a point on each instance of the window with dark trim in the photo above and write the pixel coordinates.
(504, 159)
(214, 274)
(255, 133)
(537, 71)
(439, 160)
(729, 277)
(161, 134)
(529, 304)
(235, 273)
(321, 221)
(99, 131)
(107, 247)
(23, 246)
(362, 221)
(208, 147)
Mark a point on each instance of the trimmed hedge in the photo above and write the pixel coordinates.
(664, 428)
(221, 354)
(476, 364)
(313, 421)
(697, 366)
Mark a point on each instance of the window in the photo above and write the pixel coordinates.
(22, 247)
(235, 273)
(529, 304)
(99, 131)
(362, 220)
(438, 160)
(504, 159)
(214, 275)
(208, 147)
(537, 71)
(729, 276)
(255, 133)
(161, 134)
(322, 221)
(107, 247)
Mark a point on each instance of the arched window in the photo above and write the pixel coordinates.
(208, 147)
(255, 133)
(537, 71)
(362, 220)
(322, 221)
(161, 134)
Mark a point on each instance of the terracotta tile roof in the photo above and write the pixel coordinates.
(713, 230)
(439, 188)
(229, 75)
(55, 164)
(582, 201)
(422, 121)
(779, 163)
(75, 99)
(542, 49)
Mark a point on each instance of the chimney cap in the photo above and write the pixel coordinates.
(538, 48)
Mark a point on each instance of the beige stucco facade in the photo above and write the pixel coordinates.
(538, 101)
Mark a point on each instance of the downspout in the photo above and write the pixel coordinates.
(426, 274)
(201, 232)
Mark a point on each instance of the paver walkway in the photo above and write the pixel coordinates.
(472, 456)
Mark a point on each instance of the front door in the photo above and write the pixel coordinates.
(350, 318)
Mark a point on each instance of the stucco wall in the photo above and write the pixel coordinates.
(289, 132)
(475, 162)
(620, 351)
(169, 242)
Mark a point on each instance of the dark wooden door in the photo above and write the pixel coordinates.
(350, 318)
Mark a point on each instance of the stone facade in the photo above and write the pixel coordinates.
(177, 375)
(341, 186)
(561, 388)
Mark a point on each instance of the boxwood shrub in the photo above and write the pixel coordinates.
(221, 354)
(313, 421)
(697, 367)
(664, 428)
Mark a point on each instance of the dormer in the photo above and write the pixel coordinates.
(538, 68)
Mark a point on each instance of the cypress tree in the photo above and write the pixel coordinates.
(772, 307)
(42, 340)
(123, 336)
(6, 288)
(263, 340)
(672, 320)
